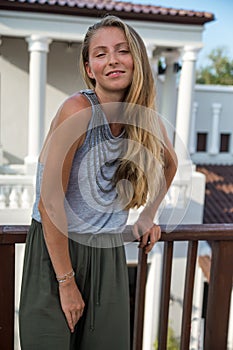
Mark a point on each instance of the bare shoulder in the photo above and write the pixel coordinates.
(76, 106)
(70, 123)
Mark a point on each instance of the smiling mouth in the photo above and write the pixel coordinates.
(115, 73)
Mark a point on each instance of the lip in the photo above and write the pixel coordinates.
(115, 73)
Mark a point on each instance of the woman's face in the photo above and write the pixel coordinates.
(110, 62)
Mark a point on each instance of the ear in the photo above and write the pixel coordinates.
(89, 71)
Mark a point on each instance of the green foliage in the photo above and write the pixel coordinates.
(219, 71)
(172, 342)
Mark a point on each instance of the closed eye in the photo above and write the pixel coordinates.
(124, 51)
(100, 54)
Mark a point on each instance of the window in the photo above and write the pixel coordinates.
(224, 142)
(201, 142)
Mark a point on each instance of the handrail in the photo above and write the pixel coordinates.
(220, 285)
(219, 292)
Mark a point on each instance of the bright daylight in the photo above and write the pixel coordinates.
(116, 180)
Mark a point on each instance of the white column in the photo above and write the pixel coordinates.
(153, 59)
(38, 47)
(214, 135)
(185, 103)
(169, 92)
(192, 144)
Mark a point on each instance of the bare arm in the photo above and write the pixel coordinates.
(145, 225)
(65, 136)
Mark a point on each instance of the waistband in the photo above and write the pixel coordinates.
(101, 240)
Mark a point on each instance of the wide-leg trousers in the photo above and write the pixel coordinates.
(102, 278)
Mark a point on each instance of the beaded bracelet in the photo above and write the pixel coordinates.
(65, 277)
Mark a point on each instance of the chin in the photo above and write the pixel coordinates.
(120, 87)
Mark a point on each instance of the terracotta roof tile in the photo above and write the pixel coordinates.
(219, 193)
(126, 10)
(205, 264)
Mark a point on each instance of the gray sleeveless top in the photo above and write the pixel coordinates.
(91, 201)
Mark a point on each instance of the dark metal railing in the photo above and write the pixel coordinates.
(220, 237)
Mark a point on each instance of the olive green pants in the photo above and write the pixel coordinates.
(102, 278)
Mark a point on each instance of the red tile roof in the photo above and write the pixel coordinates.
(205, 264)
(97, 8)
(219, 193)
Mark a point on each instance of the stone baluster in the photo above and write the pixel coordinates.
(14, 198)
(25, 198)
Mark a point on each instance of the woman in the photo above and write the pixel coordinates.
(106, 152)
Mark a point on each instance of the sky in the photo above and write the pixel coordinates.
(218, 33)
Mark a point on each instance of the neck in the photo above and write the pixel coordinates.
(112, 105)
(111, 96)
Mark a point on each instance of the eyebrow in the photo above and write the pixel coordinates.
(104, 47)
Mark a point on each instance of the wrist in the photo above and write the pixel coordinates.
(66, 277)
(147, 214)
(67, 284)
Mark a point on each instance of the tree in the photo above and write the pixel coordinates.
(219, 71)
(172, 342)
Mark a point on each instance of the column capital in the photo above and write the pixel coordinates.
(150, 51)
(38, 43)
(171, 56)
(216, 107)
(190, 53)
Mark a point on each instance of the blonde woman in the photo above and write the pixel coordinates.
(106, 152)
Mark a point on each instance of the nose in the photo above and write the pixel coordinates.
(112, 58)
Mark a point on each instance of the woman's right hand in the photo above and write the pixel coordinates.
(71, 302)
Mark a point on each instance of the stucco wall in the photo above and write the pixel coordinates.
(206, 96)
(63, 79)
(14, 96)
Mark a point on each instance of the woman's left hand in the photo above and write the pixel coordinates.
(147, 233)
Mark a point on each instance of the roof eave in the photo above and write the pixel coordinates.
(94, 12)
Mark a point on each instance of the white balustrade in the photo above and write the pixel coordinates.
(177, 196)
(16, 191)
(16, 198)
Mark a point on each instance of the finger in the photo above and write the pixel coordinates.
(70, 321)
(81, 313)
(81, 309)
(150, 245)
(136, 232)
(158, 232)
(75, 317)
(155, 235)
(144, 240)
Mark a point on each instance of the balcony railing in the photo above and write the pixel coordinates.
(220, 237)
(16, 198)
(16, 191)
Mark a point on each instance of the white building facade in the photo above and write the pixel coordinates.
(39, 69)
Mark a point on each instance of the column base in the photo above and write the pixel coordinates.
(185, 170)
(30, 165)
(186, 202)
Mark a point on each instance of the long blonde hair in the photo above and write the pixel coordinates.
(142, 161)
